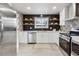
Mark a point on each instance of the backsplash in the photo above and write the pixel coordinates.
(69, 25)
(72, 24)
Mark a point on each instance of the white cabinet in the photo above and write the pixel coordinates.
(64, 14)
(69, 12)
(72, 10)
(42, 37)
(48, 37)
(53, 37)
(56, 37)
(38, 37)
(22, 37)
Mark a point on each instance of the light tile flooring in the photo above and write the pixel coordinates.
(8, 49)
(39, 50)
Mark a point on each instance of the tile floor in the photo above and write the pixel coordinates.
(39, 50)
(8, 49)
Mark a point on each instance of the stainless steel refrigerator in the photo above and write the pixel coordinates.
(1, 32)
(7, 37)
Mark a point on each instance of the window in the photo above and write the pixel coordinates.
(41, 22)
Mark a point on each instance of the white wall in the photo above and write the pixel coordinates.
(21, 35)
(19, 21)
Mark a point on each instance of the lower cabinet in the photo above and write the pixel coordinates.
(48, 37)
(42, 37)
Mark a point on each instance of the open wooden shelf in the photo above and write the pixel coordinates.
(29, 24)
(28, 20)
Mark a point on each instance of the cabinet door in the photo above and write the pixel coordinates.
(39, 38)
(42, 37)
(50, 37)
(53, 37)
(56, 37)
(22, 37)
(45, 37)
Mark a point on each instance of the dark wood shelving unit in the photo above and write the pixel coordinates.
(54, 22)
(28, 23)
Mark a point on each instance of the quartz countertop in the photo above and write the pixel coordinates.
(75, 39)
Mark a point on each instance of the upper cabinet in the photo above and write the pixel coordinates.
(73, 11)
(70, 12)
(62, 16)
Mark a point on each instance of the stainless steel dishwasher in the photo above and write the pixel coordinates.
(31, 37)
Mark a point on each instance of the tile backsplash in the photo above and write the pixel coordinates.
(69, 25)
(72, 24)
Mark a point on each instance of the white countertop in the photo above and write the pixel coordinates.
(41, 31)
(75, 39)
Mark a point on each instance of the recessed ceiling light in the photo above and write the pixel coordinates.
(28, 8)
(53, 7)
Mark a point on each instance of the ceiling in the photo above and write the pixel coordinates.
(6, 11)
(38, 8)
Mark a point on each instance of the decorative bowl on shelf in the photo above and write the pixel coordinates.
(56, 23)
(54, 18)
(26, 19)
(52, 23)
(30, 19)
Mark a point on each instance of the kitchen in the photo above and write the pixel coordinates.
(46, 29)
